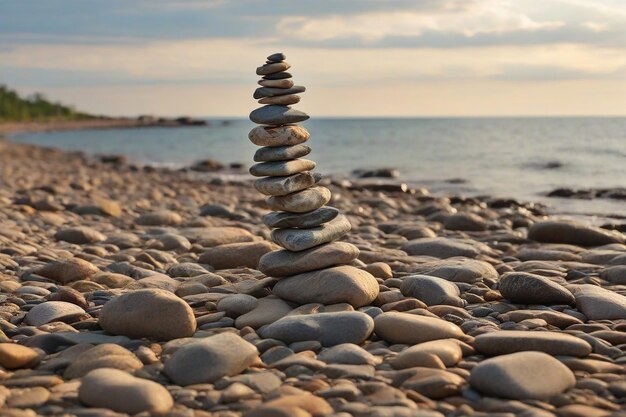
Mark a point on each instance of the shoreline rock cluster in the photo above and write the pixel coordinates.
(313, 267)
(140, 291)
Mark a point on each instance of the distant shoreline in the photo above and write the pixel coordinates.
(67, 125)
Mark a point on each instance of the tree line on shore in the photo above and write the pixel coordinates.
(36, 107)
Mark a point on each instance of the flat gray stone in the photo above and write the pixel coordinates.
(281, 153)
(278, 186)
(53, 311)
(329, 329)
(300, 239)
(522, 376)
(339, 284)
(208, 359)
(440, 247)
(300, 220)
(281, 168)
(431, 290)
(273, 114)
(273, 68)
(287, 100)
(302, 201)
(598, 303)
(263, 92)
(283, 263)
(511, 341)
(525, 288)
(278, 135)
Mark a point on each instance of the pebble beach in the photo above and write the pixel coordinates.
(139, 290)
(129, 290)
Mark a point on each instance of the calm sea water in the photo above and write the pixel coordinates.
(506, 157)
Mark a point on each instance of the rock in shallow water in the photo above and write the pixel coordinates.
(329, 329)
(119, 391)
(522, 376)
(412, 329)
(206, 360)
(297, 240)
(152, 313)
(284, 262)
(525, 288)
(340, 284)
(273, 114)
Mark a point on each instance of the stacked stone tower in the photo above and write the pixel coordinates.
(312, 267)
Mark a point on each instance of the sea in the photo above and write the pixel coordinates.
(522, 158)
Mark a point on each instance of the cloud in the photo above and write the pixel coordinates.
(488, 17)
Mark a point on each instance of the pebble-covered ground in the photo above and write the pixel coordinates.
(129, 290)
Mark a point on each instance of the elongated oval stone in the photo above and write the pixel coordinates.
(300, 220)
(281, 153)
(281, 263)
(278, 136)
(283, 100)
(277, 115)
(272, 68)
(301, 239)
(301, 201)
(281, 168)
(262, 92)
(284, 83)
(286, 185)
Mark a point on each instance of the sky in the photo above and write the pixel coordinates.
(356, 57)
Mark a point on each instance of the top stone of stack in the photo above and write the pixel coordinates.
(277, 92)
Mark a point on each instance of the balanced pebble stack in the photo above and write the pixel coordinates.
(313, 266)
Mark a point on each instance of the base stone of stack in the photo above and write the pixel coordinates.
(282, 263)
(340, 284)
